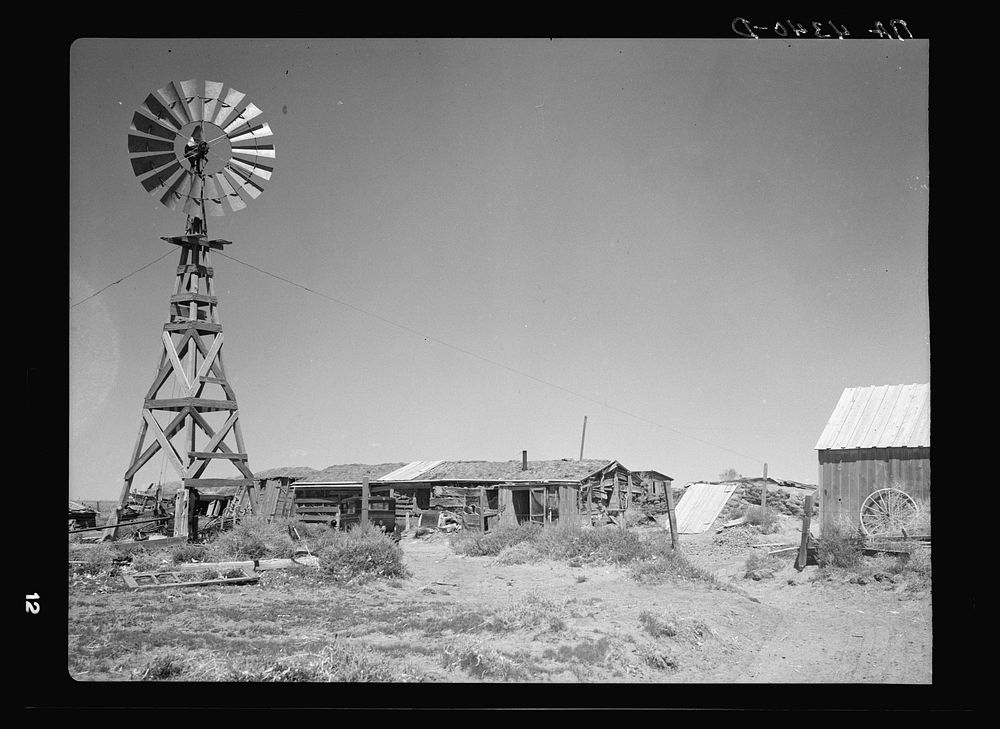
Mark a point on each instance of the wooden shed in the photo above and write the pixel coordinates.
(654, 484)
(517, 491)
(877, 437)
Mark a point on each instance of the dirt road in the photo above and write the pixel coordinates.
(461, 619)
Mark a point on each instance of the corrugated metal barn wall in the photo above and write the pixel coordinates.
(847, 476)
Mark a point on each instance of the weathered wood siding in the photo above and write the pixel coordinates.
(847, 476)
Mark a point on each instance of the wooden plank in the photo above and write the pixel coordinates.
(206, 364)
(178, 581)
(217, 454)
(168, 345)
(197, 325)
(201, 403)
(188, 297)
(172, 427)
(165, 444)
(807, 509)
(763, 490)
(217, 482)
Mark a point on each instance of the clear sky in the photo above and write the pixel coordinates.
(697, 244)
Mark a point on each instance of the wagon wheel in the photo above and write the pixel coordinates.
(887, 512)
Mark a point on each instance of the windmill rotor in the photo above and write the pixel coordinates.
(199, 147)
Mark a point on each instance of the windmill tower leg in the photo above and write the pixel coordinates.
(191, 364)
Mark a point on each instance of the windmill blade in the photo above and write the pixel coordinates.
(250, 112)
(233, 197)
(213, 89)
(228, 106)
(192, 205)
(158, 180)
(257, 132)
(192, 97)
(146, 125)
(173, 101)
(260, 150)
(261, 171)
(213, 199)
(149, 163)
(244, 183)
(155, 109)
(137, 144)
(172, 197)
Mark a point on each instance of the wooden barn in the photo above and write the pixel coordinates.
(877, 437)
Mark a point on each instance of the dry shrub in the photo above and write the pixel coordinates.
(587, 652)
(519, 553)
(485, 663)
(96, 559)
(841, 546)
(162, 664)
(252, 538)
(489, 544)
(762, 517)
(143, 561)
(188, 552)
(361, 553)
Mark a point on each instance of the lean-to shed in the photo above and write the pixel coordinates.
(877, 437)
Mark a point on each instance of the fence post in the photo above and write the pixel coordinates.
(675, 541)
(364, 501)
(763, 491)
(800, 561)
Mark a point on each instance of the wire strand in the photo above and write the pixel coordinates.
(487, 359)
(121, 279)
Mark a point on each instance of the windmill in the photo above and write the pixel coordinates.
(195, 145)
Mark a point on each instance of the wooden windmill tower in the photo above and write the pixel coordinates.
(194, 147)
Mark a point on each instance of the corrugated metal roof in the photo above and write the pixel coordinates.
(701, 504)
(886, 416)
(410, 471)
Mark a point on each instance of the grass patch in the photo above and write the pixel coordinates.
(98, 559)
(588, 652)
(486, 663)
(567, 541)
(665, 563)
(337, 663)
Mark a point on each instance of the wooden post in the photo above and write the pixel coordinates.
(800, 561)
(583, 437)
(484, 504)
(192, 509)
(763, 491)
(675, 541)
(181, 513)
(365, 493)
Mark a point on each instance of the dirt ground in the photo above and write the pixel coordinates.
(463, 619)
